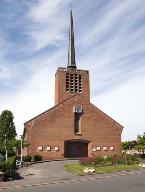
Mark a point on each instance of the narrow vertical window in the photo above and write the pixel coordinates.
(77, 122)
(77, 115)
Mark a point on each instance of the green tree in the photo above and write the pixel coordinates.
(141, 143)
(2, 147)
(7, 125)
(14, 146)
(133, 144)
(128, 145)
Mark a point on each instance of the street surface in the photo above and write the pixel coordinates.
(131, 182)
(51, 177)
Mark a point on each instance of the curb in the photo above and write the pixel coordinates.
(44, 161)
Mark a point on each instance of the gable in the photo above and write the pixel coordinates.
(64, 110)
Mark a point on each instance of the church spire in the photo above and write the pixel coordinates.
(71, 47)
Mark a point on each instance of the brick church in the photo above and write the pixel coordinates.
(74, 127)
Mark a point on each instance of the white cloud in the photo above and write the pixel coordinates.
(4, 71)
(4, 45)
(35, 97)
(126, 104)
(44, 10)
(4, 48)
(106, 44)
(37, 94)
(47, 28)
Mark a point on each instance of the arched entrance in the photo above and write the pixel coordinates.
(75, 148)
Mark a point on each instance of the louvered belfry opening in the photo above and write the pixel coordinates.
(74, 83)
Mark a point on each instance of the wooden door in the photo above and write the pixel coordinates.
(76, 149)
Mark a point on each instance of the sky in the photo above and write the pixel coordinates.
(109, 41)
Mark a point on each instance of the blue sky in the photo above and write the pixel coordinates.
(109, 40)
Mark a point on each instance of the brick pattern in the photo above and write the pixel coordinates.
(63, 92)
(55, 126)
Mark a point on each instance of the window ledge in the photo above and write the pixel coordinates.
(78, 133)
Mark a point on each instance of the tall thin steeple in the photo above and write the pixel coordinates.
(71, 47)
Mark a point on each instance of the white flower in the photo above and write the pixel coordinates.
(89, 170)
(142, 165)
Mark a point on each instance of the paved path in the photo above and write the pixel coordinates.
(50, 170)
(41, 172)
(52, 173)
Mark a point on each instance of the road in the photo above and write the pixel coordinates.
(119, 183)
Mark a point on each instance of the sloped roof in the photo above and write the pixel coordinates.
(50, 108)
(77, 94)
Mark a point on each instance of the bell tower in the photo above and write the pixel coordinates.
(70, 80)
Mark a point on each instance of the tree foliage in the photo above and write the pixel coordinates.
(7, 125)
(7, 130)
(141, 143)
(128, 145)
(2, 147)
(138, 144)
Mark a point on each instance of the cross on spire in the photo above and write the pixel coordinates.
(71, 47)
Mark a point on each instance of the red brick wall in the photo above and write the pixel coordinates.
(56, 125)
(60, 84)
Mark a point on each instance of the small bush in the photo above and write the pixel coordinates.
(88, 161)
(2, 166)
(131, 159)
(8, 167)
(37, 158)
(142, 156)
(117, 159)
(27, 158)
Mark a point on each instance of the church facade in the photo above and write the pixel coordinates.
(74, 127)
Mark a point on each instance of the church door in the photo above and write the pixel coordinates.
(76, 149)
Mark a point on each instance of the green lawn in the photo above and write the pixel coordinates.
(78, 169)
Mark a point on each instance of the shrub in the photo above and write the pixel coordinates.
(110, 160)
(130, 159)
(27, 158)
(91, 161)
(2, 158)
(117, 159)
(12, 161)
(142, 156)
(99, 161)
(88, 161)
(2, 166)
(37, 158)
(8, 167)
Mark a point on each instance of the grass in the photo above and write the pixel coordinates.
(78, 169)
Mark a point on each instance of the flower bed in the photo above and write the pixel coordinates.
(110, 160)
(104, 164)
